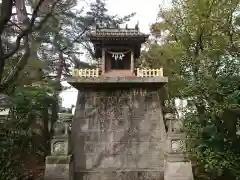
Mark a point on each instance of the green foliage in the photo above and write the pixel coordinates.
(55, 47)
(99, 16)
(24, 135)
(199, 52)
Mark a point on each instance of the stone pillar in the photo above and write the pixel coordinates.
(103, 60)
(132, 61)
(177, 164)
(59, 163)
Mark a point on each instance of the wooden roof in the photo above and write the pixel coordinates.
(117, 34)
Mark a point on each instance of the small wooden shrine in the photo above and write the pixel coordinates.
(117, 52)
(118, 49)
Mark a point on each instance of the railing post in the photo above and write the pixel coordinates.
(97, 72)
(149, 72)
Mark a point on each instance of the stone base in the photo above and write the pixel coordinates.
(178, 171)
(176, 157)
(58, 168)
(121, 175)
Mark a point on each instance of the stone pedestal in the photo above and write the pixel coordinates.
(177, 165)
(59, 163)
(58, 167)
(178, 170)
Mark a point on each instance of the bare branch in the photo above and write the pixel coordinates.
(29, 29)
(6, 12)
(20, 65)
(75, 39)
(24, 35)
(5, 16)
(14, 24)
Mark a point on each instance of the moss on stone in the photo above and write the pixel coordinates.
(58, 159)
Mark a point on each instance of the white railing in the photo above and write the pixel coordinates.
(149, 72)
(85, 72)
(95, 72)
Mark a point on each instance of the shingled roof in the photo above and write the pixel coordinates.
(117, 33)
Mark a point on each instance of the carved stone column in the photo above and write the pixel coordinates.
(59, 163)
(177, 164)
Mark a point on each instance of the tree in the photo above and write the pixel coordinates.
(199, 51)
(19, 27)
(24, 137)
(21, 59)
(42, 55)
(65, 41)
(98, 16)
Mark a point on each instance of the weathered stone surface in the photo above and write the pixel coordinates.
(57, 171)
(121, 175)
(60, 146)
(118, 130)
(58, 159)
(176, 157)
(104, 81)
(58, 167)
(150, 175)
(178, 171)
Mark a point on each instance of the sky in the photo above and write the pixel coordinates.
(146, 14)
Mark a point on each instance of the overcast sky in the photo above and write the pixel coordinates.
(146, 13)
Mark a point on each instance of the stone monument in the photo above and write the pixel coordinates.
(177, 164)
(118, 130)
(59, 163)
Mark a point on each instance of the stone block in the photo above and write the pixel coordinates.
(98, 176)
(93, 123)
(145, 124)
(156, 160)
(58, 159)
(93, 136)
(144, 136)
(109, 162)
(143, 161)
(152, 175)
(130, 161)
(143, 147)
(119, 124)
(120, 135)
(132, 128)
(89, 162)
(178, 171)
(89, 148)
(150, 161)
(58, 167)
(59, 145)
(156, 135)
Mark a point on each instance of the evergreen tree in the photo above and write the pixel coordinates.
(98, 16)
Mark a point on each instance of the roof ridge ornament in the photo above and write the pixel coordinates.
(137, 26)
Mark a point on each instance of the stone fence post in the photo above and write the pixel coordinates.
(59, 164)
(177, 164)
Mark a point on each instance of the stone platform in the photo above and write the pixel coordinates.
(118, 131)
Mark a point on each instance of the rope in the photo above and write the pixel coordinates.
(118, 55)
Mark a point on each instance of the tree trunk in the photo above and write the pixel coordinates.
(57, 88)
(23, 23)
(5, 15)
